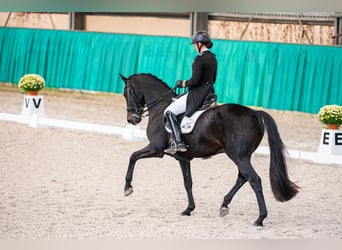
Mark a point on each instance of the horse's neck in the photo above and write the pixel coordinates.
(158, 107)
(157, 102)
(157, 95)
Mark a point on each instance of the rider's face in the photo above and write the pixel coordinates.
(198, 45)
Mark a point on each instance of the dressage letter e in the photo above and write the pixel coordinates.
(326, 138)
(338, 139)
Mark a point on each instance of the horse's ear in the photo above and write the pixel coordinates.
(123, 78)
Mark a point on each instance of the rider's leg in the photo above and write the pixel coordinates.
(178, 145)
(177, 107)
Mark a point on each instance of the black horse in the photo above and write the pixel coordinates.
(230, 128)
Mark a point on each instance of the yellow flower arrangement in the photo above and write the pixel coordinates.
(31, 82)
(330, 114)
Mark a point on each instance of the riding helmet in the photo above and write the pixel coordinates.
(203, 37)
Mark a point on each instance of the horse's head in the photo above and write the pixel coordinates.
(134, 101)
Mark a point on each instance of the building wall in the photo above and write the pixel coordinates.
(270, 32)
(115, 24)
(273, 32)
(35, 20)
(139, 25)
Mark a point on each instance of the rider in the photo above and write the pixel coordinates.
(199, 86)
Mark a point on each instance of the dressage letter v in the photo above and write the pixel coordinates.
(27, 101)
(36, 104)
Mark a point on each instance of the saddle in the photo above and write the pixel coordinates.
(187, 124)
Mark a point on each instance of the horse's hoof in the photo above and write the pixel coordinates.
(258, 224)
(224, 211)
(128, 191)
(186, 213)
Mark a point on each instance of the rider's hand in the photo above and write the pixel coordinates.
(181, 83)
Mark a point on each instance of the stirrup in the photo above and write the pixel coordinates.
(181, 147)
(174, 148)
(170, 151)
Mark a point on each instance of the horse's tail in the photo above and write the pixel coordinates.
(283, 189)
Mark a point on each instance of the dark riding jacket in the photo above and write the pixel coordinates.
(204, 70)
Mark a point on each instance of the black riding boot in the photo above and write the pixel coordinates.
(176, 142)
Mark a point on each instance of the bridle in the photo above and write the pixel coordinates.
(138, 109)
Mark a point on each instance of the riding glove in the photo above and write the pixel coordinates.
(181, 83)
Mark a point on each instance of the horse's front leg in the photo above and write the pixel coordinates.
(146, 152)
(185, 166)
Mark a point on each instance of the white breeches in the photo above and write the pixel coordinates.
(178, 106)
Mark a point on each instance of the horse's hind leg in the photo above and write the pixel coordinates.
(247, 171)
(185, 166)
(228, 198)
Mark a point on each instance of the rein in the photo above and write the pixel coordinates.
(156, 101)
(141, 110)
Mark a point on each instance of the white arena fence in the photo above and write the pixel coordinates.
(136, 133)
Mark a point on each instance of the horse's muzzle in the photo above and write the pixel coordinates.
(133, 118)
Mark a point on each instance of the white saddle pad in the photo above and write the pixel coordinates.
(188, 123)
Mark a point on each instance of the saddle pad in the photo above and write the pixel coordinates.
(188, 123)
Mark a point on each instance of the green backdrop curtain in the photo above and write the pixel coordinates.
(271, 75)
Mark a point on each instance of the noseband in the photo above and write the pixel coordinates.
(136, 109)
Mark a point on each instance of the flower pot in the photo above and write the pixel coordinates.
(333, 126)
(33, 93)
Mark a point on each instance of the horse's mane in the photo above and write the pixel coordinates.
(152, 76)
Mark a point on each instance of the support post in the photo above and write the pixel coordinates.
(76, 20)
(199, 21)
(338, 31)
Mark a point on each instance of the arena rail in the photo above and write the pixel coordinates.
(136, 133)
